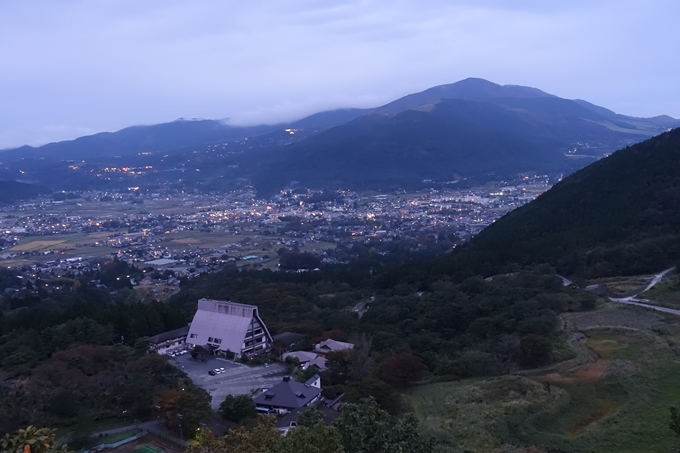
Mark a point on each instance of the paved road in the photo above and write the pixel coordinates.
(635, 300)
(641, 303)
(657, 278)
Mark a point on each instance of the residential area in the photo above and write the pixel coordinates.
(173, 234)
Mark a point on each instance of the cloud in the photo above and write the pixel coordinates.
(96, 65)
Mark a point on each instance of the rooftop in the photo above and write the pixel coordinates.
(288, 394)
(165, 336)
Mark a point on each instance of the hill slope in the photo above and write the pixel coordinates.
(12, 191)
(620, 215)
(156, 138)
(472, 128)
(451, 137)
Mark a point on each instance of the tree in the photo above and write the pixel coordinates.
(310, 417)
(535, 349)
(674, 424)
(402, 369)
(199, 353)
(339, 365)
(316, 439)
(265, 438)
(32, 440)
(238, 408)
(365, 427)
(183, 410)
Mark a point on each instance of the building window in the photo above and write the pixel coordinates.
(218, 340)
(193, 335)
(258, 331)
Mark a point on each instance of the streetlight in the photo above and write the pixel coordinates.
(181, 434)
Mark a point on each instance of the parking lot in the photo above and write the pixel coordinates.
(237, 379)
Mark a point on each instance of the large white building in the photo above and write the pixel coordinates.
(229, 326)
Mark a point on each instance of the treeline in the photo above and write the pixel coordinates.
(84, 383)
(362, 427)
(33, 332)
(12, 191)
(412, 329)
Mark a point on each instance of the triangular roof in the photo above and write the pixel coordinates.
(302, 356)
(288, 394)
(332, 345)
(226, 320)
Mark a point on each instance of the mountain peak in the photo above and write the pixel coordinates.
(470, 89)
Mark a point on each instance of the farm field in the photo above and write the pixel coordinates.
(618, 403)
(86, 208)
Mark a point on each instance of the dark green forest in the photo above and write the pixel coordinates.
(12, 191)
(73, 341)
(73, 348)
(618, 216)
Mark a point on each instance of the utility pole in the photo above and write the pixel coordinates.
(181, 422)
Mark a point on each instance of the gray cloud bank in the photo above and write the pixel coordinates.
(72, 67)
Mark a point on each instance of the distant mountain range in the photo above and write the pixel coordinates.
(618, 216)
(156, 138)
(469, 129)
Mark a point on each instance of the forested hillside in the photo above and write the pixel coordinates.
(453, 137)
(618, 216)
(11, 191)
(69, 328)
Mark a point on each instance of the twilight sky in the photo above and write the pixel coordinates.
(70, 68)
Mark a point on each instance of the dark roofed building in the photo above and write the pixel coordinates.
(166, 341)
(331, 345)
(290, 420)
(290, 394)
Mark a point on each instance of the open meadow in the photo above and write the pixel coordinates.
(665, 294)
(621, 286)
(617, 403)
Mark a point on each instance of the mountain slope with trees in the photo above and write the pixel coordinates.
(472, 128)
(618, 216)
(12, 191)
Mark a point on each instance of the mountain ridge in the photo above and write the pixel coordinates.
(431, 135)
(618, 216)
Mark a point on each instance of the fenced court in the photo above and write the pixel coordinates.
(145, 449)
(149, 444)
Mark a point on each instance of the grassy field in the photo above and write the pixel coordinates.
(619, 403)
(666, 294)
(68, 246)
(215, 239)
(623, 286)
(37, 244)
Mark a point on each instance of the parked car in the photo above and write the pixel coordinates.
(212, 373)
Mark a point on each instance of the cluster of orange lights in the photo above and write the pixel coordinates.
(131, 170)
